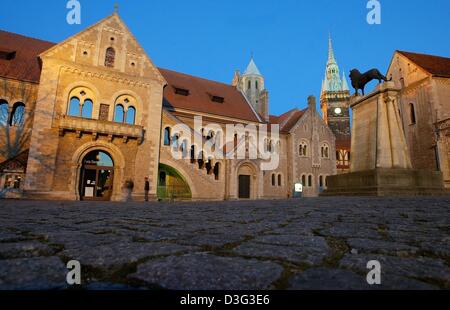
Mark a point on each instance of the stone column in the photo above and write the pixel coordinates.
(392, 150)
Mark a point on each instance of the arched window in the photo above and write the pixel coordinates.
(279, 180)
(86, 111)
(18, 115)
(304, 180)
(192, 154)
(131, 116)
(249, 86)
(119, 114)
(412, 113)
(110, 57)
(303, 149)
(184, 149)
(325, 151)
(217, 171)
(310, 180)
(208, 166)
(256, 85)
(270, 148)
(175, 141)
(273, 179)
(4, 113)
(74, 107)
(167, 136)
(210, 135)
(200, 160)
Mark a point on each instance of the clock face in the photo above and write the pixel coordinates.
(338, 111)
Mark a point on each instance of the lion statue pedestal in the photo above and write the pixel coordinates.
(381, 164)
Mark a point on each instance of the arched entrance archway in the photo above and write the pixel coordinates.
(96, 176)
(171, 184)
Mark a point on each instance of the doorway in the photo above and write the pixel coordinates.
(97, 176)
(244, 187)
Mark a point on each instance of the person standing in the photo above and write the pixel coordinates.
(146, 188)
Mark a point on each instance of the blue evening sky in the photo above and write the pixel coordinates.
(211, 38)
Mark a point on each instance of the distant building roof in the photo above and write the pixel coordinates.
(202, 95)
(287, 120)
(19, 56)
(435, 65)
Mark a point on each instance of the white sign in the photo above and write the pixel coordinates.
(298, 188)
(89, 192)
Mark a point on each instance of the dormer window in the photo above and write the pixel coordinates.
(217, 99)
(7, 55)
(181, 91)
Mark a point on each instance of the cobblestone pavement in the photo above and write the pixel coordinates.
(320, 243)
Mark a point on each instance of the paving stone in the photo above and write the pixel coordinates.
(6, 236)
(327, 279)
(208, 272)
(24, 249)
(214, 240)
(345, 230)
(382, 247)
(104, 286)
(410, 237)
(294, 254)
(418, 268)
(115, 255)
(39, 273)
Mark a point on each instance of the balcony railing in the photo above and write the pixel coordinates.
(97, 127)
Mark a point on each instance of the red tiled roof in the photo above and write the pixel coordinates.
(25, 65)
(199, 98)
(287, 120)
(436, 65)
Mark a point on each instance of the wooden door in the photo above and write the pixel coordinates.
(244, 187)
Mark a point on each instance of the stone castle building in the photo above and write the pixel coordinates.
(335, 106)
(424, 106)
(92, 117)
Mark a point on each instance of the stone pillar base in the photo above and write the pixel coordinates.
(386, 182)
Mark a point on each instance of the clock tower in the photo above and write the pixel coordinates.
(334, 103)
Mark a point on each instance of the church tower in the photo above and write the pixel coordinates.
(334, 103)
(251, 83)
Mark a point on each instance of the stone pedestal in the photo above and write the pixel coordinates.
(380, 162)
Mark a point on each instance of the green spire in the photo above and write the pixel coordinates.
(331, 58)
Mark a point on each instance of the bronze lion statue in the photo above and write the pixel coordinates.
(360, 80)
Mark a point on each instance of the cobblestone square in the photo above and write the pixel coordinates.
(322, 243)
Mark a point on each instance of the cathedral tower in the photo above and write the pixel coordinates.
(251, 83)
(334, 103)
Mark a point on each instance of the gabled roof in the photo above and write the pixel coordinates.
(199, 96)
(287, 120)
(24, 64)
(435, 65)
